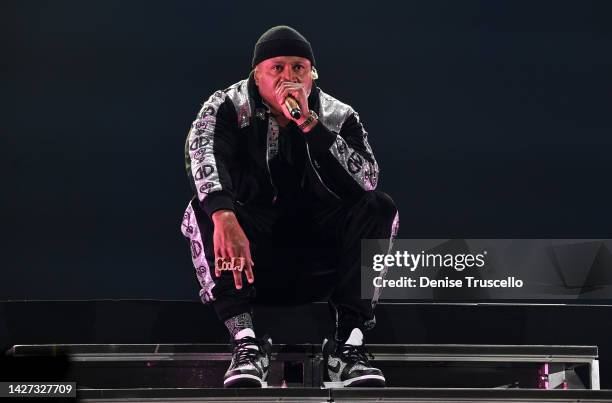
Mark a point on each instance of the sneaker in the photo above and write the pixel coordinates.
(348, 363)
(250, 363)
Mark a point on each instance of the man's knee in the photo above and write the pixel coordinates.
(380, 204)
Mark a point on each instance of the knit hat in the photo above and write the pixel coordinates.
(282, 41)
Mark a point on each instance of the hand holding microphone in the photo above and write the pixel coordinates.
(293, 98)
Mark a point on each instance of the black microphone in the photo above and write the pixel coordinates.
(293, 107)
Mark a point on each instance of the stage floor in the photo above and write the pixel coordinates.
(343, 395)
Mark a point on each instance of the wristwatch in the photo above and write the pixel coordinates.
(311, 117)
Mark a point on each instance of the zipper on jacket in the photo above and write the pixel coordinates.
(317, 173)
(274, 189)
(275, 196)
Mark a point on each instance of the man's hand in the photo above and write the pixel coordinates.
(298, 92)
(232, 246)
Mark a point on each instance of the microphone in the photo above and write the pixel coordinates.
(293, 107)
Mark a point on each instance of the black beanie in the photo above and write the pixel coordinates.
(282, 41)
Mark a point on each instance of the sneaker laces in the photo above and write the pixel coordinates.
(356, 353)
(243, 354)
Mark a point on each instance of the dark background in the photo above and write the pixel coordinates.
(488, 119)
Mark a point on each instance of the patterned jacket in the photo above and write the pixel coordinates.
(233, 139)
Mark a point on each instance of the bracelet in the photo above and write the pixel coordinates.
(313, 115)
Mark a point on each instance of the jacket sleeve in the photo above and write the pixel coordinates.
(344, 160)
(210, 152)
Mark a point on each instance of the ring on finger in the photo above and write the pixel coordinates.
(225, 264)
(237, 263)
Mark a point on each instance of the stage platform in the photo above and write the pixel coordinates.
(202, 365)
(343, 395)
(436, 373)
(169, 351)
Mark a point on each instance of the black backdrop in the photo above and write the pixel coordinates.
(488, 118)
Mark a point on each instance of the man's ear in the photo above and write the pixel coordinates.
(314, 73)
(255, 76)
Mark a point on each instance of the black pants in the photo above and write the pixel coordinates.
(302, 253)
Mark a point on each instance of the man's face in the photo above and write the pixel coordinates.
(270, 72)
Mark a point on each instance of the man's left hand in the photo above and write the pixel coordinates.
(298, 92)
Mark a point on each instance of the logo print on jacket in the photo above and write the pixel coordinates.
(205, 188)
(196, 249)
(199, 142)
(355, 162)
(204, 171)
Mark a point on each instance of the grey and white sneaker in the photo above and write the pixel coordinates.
(347, 364)
(250, 363)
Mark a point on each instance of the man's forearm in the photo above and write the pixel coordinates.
(223, 216)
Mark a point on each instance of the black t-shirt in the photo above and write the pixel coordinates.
(289, 166)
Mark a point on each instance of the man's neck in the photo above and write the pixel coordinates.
(277, 115)
(282, 120)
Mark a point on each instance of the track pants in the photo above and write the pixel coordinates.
(302, 253)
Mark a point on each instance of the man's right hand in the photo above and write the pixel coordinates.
(231, 243)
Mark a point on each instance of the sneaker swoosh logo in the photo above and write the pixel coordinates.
(335, 368)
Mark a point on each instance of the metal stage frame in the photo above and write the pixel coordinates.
(191, 366)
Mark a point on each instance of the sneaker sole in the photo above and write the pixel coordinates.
(366, 381)
(243, 381)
